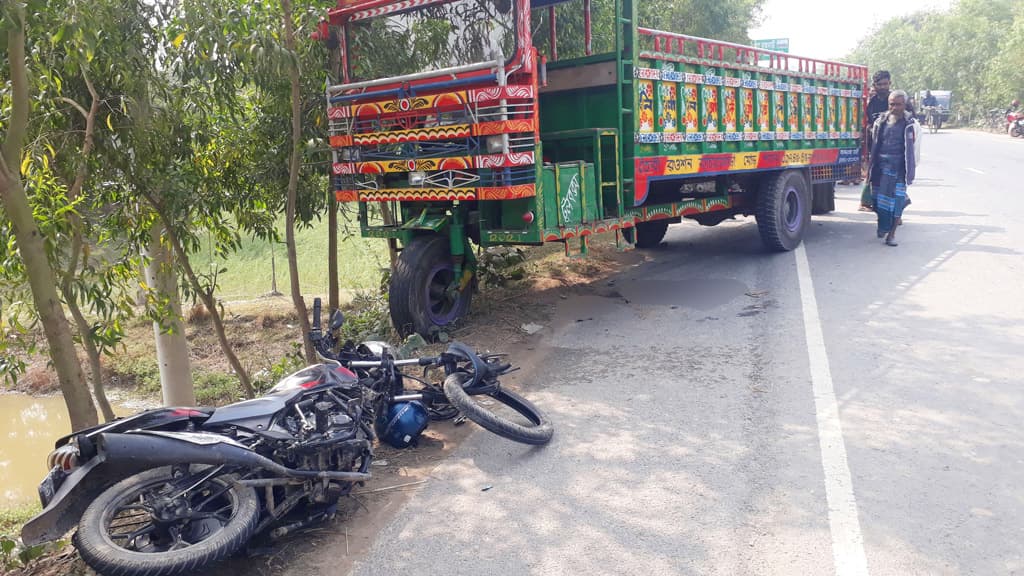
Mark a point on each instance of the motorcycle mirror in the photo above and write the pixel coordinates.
(337, 319)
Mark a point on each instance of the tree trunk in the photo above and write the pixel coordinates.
(333, 293)
(389, 220)
(171, 344)
(31, 246)
(93, 353)
(206, 297)
(293, 182)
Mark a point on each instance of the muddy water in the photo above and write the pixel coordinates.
(28, 428)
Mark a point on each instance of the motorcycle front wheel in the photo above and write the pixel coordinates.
(155, 523)
(533, 426)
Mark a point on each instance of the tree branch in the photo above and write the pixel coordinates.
(17, 125)
(76, 187)
(79, 107)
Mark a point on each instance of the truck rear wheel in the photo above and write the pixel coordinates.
(647, 234)
(824, 198)
(783, 210)
(424, 293)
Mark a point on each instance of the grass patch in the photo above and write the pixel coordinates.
(250, 273)
(13, 517)
(215, 388)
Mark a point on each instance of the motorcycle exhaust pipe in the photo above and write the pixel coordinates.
(154, 450)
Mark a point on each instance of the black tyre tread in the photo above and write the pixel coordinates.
(407, 279)
(769, 220)
(111, 561)
(403, 276)
(538, 434)
(650, 234)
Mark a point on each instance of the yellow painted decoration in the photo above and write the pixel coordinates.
(669, 114)
(730, 110)
(645, 89)
(690, 92)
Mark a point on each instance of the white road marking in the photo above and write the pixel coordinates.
(975, 170)
(844, 524)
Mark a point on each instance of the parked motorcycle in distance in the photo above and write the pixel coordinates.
(171, 490)
(1015, 123)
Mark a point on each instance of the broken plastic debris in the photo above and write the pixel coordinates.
(532, 328)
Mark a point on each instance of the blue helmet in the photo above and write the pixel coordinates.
(402, 423)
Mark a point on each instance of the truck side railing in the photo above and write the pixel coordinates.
(706, 48)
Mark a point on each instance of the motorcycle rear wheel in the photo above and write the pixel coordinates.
(224, 516)
(539, 433)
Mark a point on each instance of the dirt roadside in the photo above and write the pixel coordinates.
(503, 320)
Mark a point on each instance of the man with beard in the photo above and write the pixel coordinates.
(892, 164)
(878, 105)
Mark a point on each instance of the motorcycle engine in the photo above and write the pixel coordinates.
(331, 430)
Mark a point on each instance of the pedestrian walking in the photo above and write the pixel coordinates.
(892, 164)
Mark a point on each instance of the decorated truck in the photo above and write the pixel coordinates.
(454, 126)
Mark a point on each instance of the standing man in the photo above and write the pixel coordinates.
(878, 105)
(879, 102)
(892, 164)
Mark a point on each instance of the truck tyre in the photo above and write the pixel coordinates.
(824, 198)
(421, 295)
(783, 210)
(647, 234)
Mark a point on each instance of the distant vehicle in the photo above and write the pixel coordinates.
(1015, 124)
(940, 112)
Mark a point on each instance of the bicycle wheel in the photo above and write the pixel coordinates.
(538, 431)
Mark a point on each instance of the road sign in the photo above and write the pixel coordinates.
(776, 44)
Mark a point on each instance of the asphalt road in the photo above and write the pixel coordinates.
(691, 398)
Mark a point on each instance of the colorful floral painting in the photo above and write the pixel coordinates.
(819, 107)
(764, 109)
(780, 112)
(646, 105)
(794, 113)
(833, 113)
(691, 108)
(808, 121)
(730, 110)
(842, 115)
(711, 108)
(748, 110)
(669, 119)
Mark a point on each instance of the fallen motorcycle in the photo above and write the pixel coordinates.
(170, 490)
